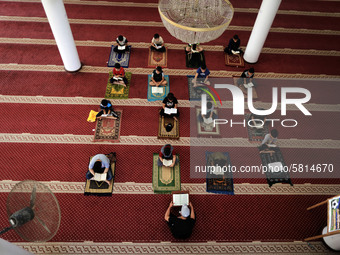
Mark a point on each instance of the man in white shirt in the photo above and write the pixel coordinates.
(99, 164)
(269, 141)
(122, 44)
(157, 43)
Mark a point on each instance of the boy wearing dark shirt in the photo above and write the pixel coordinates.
(170, 102)
(202, 73)
(233, 46)
(157, 77)
(181, 227)
(247, 77)
(107, 110)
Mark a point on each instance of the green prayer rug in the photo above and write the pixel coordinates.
(114, 91)
(165, 179)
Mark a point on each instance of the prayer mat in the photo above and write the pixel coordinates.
(279, 176)
(157, 58)
(221, 183)
(194, 60)
(108, 129)
(165, 179)
(158, 96)
(163, 122)
(98, 188)
(234, 60)
(122, 58)
(204, 128)
(256, 134)
(195, 93)
(114, 91)
(244, 90)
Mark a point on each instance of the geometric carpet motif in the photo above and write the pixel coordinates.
(205, 128)
(158, 96)
(234, 60)
(108, 129)
(163, 133)
(157, 58)
(121, 58)
(195, 92)
(221, 248)
(256, 134)
(194, 60)
(221, 183)
(116, 91)
(165, 179)
(275, 176)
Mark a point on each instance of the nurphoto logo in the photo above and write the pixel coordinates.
(238, 104)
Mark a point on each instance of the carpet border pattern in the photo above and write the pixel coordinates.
(194, 188)
(145, 102)
(153, 140)
(177, 248)
(173, 46)
(179, 72)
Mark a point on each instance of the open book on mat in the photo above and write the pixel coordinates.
(100, 177)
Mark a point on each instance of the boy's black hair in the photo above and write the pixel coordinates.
(235, 37)
(251, 70)
(120, 38)
(171, 96)
(117, 65)
(159, 69)
(156, 36)
(274, 133)
(203, 67)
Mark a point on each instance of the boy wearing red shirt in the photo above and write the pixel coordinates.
(119, 74)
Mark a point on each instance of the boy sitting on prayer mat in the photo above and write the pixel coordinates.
(99, 164)
(157, 43)
(247, 78)
(210, 116)
(169, 107)
(157, 77)
(233, 46)
(193, 48)
(269, 141)
(122, 44)
(181, 227)
(107, 110)
(119, 75)
(195, 55)
(202, 73)
(167, 157)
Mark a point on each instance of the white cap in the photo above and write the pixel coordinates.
(185, 211)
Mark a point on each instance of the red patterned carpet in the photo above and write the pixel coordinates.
(44, 134)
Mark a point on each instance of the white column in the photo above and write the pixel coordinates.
(261, 28)
(332, 241)
(57, 17)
